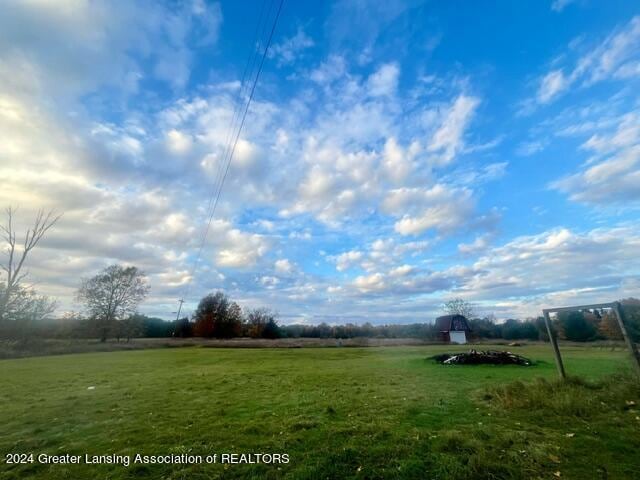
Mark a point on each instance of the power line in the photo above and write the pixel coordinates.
(217, 183)
(235, 142)
(246, 75)
(237, 107)
(251, 60)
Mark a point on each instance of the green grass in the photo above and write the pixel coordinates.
(337, 412)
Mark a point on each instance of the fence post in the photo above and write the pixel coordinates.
(554, 344)
(635, 358)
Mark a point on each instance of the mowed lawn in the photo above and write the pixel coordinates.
(337, 413)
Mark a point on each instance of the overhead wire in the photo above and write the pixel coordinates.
(237, 105)
(229, 152)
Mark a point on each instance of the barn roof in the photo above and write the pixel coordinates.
(454, 323)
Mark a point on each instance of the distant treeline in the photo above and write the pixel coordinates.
(219, 317)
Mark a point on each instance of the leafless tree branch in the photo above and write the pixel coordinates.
(16, 257)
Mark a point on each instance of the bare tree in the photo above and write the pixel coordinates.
(458, 306)
(260, 322)
(112, 295)
(132, 326)
(15, 299)
(25, 304)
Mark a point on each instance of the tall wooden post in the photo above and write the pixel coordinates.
(554, 344)
(635, 358)
(180, 302)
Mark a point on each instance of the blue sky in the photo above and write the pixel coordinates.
(396, 154)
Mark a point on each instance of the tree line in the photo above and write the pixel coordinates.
(217, 316)
(576, 326)
(111, 299)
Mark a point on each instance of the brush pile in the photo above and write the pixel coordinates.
(489, 357)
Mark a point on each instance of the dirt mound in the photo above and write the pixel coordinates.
(489, 357)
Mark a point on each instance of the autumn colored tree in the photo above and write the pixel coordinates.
(261, 323)
(608, 327)
(217, 316)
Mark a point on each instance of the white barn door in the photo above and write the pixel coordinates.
(457, 337)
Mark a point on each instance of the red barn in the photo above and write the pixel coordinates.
(453, 328)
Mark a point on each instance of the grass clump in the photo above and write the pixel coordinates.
(574, 396)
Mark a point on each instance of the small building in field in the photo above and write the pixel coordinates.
(453, 328)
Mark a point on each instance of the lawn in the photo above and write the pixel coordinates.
(337, 412)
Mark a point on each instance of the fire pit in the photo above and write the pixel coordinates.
(488, 357)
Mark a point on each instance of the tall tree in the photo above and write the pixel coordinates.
(576, 327)
(609, 328)
(631, 311)
(261, 323)
(113, 295)
(16, 300)
(217, 316)
(458, 306)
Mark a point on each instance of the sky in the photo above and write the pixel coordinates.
(396, 153)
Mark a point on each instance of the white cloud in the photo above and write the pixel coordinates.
(357, 25)
(178, 142)
(267, 225)
(137, 185)
(401, 271)
(518, 278)
(527, 149)
(306, 235)
(283, 265)
(480, 243)
(448, 139)
(288, 51)
(383, 254)
(398, 161)
(330, 70)
(560, 5)
(369, 283)
(612, 175)
(69, 48)
(440, 207)
(551, 85)
(539, 267)
(235, 248)
(269, 282)
(347, 259)
(616, 57)
(384, 81)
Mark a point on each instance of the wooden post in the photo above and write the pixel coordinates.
(635, 358)
(181, 301)
(554, 344)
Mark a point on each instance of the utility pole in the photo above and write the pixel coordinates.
(181, 301)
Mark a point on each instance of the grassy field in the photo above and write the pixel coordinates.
(337, 412)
